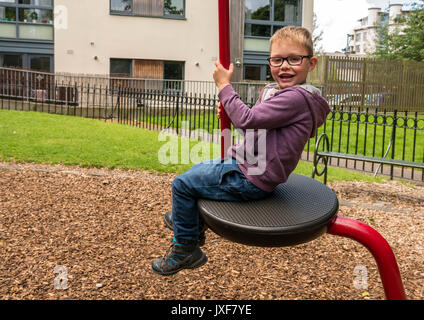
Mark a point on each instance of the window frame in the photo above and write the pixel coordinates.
(132, 14)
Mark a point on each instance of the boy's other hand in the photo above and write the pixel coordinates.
(222, 76)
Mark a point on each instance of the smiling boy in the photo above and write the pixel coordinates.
(288, 111)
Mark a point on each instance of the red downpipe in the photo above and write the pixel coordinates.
(224, 57)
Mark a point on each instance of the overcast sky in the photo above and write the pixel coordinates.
(337, 18)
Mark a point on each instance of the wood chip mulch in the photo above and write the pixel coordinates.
(87, 233)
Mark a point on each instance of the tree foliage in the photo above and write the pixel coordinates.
(406, 40)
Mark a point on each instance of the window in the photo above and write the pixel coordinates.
(41, 63)
(286, 11)
(47, 3)
(173, 70)
(31, 19)
(120, 67)
(124, 6)
(252, 72)
(264, 17)
(35, 15)
(257, 30)
(149, 8)
(28, 61)
(147, 69)
(384, 18)
(257, 72)
(7, 14)
(258, 9)
(11, 60)
(174, 8)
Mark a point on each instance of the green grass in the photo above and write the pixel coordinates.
(48, 138)
(52, 139)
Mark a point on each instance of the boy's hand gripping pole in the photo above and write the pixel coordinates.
(224, 57)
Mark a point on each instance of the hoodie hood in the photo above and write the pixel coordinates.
(317, 105)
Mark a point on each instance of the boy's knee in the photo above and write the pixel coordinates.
(178, 184)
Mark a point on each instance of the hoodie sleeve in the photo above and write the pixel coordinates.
(283, 109)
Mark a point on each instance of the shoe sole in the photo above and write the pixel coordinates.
(194, 265)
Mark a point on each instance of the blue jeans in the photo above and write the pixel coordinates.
(214, 179)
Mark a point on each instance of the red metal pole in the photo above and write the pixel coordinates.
(380, 249)
(224, 57)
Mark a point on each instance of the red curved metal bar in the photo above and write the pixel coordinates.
(380, 249)
(224, 57)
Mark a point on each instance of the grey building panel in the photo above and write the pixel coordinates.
(25, 47)
(251, 57)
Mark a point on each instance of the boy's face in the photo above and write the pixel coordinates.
(286, 75)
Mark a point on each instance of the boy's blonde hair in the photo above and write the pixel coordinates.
(300, 35)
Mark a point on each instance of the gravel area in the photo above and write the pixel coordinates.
(79, 233)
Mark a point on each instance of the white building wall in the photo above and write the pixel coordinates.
(93, 32)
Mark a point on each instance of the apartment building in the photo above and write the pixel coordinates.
(26, 34)
(161, 39)
(362, 40)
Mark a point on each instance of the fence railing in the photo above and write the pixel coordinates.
(192, 105)
(374, 133)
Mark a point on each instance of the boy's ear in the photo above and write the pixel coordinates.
(312, 63)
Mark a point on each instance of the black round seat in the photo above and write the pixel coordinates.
(297, 211)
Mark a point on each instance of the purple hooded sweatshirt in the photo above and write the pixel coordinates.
(284, 121)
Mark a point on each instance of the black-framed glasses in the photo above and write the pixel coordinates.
(293, 60)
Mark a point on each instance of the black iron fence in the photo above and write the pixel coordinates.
(188, 106)
(372, 134)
